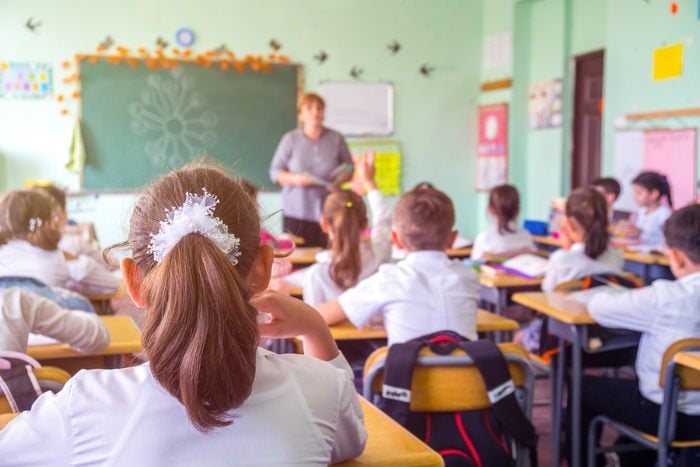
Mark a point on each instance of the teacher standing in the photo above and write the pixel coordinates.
(309, 162)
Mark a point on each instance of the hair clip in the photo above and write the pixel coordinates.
(348, 204)
(35, 223)
(195, 215)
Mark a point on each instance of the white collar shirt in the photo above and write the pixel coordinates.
(424, 293)
(664, 312)
(302, 411)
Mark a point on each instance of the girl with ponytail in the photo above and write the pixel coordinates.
(585, 236)
(351, 256)
(208, 395)
(650, 189)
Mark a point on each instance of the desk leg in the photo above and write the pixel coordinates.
(557, 385)
(576, 397)
(502, 300)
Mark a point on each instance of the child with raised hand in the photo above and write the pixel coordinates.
(650, 189)
(585, 237)
(424, 293)
(352, 256)
(505, 239)
(209, 394)
(664, 312)
(29, 237)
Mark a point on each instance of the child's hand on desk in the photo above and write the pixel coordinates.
(290, 317)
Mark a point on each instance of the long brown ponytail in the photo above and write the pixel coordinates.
(655, 181)
(504, 201)
(200, 333)
(589, 208)
(346, 216)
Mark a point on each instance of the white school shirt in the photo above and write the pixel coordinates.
(76, 245)
(566, 265)
(493, 241)
(652, 224)
(22, 313)
(302, 411)
(664, 312)
(317, 283)
(425, 293)
(20, 258)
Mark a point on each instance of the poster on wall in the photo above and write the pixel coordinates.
(668, 62)
(545, 104)
(387, 163)
(25, 81)
(492, 153)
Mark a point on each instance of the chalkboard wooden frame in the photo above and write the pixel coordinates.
(121, 136)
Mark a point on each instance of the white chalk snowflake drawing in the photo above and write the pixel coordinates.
(173, 114)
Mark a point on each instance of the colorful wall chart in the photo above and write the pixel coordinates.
(25, 80)
(387, 162)
(492, 158)
(545, 104)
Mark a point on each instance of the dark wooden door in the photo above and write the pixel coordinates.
(588, 116)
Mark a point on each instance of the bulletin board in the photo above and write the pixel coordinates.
(492, 153)
(359, 108)
(672, 152)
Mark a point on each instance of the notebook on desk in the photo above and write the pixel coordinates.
(527, 265)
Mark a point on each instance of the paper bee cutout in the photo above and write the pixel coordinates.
(32, 25)
(321, 57)
(426, 70)
(105, 44)
(394, 47)
(356, 72)
(221, 49)
(162, 43)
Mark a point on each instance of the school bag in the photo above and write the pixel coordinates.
(17, 380)
(474, 438)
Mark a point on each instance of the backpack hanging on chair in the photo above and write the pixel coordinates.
(18, 384)
(470, 438)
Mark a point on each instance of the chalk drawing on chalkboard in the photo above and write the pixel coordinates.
(174, 116)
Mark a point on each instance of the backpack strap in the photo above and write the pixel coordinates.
(501, 393)
(398, 370)
(20, 387)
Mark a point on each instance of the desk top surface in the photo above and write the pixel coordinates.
(689, 359)
(125, 337)
(389, 444)
(555, 305)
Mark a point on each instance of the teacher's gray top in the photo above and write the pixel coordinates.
(298, 154)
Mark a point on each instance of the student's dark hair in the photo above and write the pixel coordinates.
(58, 195)
(424, 185)
(504, 202)
(249, 187)
(28, 215)
(655, 181)
(589, 208)
(424, 218)
(608, 185)
(682, 231)
(201, 332)
(346, 216)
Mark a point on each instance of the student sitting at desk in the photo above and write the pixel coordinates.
(650, 189)
(29, 237)
(663, 312)
(22, 313)
(351, 258)
(505, 239)
(608, 187)
(208, 395)
(424, 293)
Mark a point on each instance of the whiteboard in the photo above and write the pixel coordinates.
(629, 161)
(359, 108)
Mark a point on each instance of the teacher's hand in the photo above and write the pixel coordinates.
(303, 180)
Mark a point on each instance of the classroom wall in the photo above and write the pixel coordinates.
(548, 34)
(434, 117)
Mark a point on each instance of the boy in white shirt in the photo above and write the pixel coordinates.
(424, 293)
(664, 313)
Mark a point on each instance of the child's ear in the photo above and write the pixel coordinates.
(396, 240)
(262, 269)
(133, 279)
(451, 239)
(324, 226)
(677, 258)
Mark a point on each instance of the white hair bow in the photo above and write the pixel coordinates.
(195, 215)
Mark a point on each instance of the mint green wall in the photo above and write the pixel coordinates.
(434, 118)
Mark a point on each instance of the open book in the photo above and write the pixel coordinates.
(526, 265)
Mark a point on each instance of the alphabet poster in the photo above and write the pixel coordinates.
(492, 153)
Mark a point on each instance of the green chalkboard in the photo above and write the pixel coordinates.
(140, 122)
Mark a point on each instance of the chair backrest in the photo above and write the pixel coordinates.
(49, 378)
(689, 379)
(450, 383)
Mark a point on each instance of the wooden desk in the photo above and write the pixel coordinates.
(102, 302)
(496, 289)
(649, 266)
(125, 338)
(389, 444)
(304, 256)
(569, 321)
(547, 242)
(458, 253)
